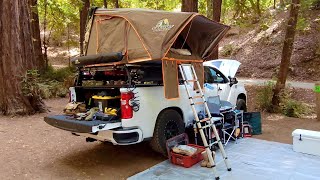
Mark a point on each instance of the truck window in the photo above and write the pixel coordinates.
(214, 76)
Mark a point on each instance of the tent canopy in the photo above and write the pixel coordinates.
(147, 35)
(151, 36)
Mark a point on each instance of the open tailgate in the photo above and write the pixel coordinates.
(70, 124)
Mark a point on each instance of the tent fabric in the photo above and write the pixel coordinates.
(144, 36)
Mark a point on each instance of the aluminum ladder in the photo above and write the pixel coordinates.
(208, 120)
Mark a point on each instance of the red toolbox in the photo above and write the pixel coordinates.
(183, 160)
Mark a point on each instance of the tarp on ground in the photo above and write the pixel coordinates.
(143, 35)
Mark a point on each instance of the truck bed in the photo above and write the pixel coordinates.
(80, 126)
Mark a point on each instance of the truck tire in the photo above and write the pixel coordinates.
(169, 124)
(241, 105)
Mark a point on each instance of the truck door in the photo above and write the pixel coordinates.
(220, 82)
(210, 87)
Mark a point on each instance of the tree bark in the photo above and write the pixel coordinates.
(16, 57)
(286, 52)
(216, 16)
(209, 9)
(45, 47)
(35, 30)
(189, 6)
(116, 3)
(83, 20)
(258, 8)
(282, 3)
(105, 4)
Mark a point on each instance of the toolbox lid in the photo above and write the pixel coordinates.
(306, 133)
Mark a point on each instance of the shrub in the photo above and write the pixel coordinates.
(227, 50)
(29, 84)
(53, 83)
(293, 108)
(288, 106)
(303, 25)
(264, 96)
(58, 74)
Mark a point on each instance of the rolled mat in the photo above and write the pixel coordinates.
(98, 59)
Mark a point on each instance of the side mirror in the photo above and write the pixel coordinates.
(233, 81)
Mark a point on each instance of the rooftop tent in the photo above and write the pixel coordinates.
(150, 36)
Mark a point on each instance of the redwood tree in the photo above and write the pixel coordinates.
(286, 52)
(189, 6)
(35, 31)
(216, 6)
(16, 57)
(83, 20)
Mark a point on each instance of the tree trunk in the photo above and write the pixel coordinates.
(83, 20)
(116, 3)
(105, 4)
(216, 5)
(45, 47)
(258, 8)
(209, 9)
(216, 16)
(189, 6)
(282, 3)
(35, 30)
(286, 52)
(16, 57)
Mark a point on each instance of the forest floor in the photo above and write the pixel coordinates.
(32, 149)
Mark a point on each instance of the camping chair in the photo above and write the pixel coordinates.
(218, 109)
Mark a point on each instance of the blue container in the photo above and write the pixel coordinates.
(254, 119)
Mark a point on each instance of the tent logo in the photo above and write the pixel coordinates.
(162, 25)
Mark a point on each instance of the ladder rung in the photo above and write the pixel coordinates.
(206, 126)
(215, 142)
(197, 103)
(191, 80)
(185, 64)
(195, 97)
(205, 119)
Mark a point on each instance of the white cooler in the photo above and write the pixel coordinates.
(306, 141)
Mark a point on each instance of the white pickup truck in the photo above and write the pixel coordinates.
(144, 113)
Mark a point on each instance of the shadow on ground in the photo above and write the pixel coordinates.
(105, 161)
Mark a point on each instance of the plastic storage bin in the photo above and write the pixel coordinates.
(183, 160)
(306, 141)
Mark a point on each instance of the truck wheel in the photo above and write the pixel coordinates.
(241, 105)
(169, 124)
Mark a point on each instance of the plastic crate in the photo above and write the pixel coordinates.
(183, 160)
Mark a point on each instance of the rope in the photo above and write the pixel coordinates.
(187, 35)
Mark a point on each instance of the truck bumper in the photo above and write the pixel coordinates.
(100, 130)
(118, 136)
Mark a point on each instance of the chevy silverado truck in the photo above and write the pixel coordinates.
(144, 112)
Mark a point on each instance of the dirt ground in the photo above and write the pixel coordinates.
(31, 149)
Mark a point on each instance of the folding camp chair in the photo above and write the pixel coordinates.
(218, 109)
